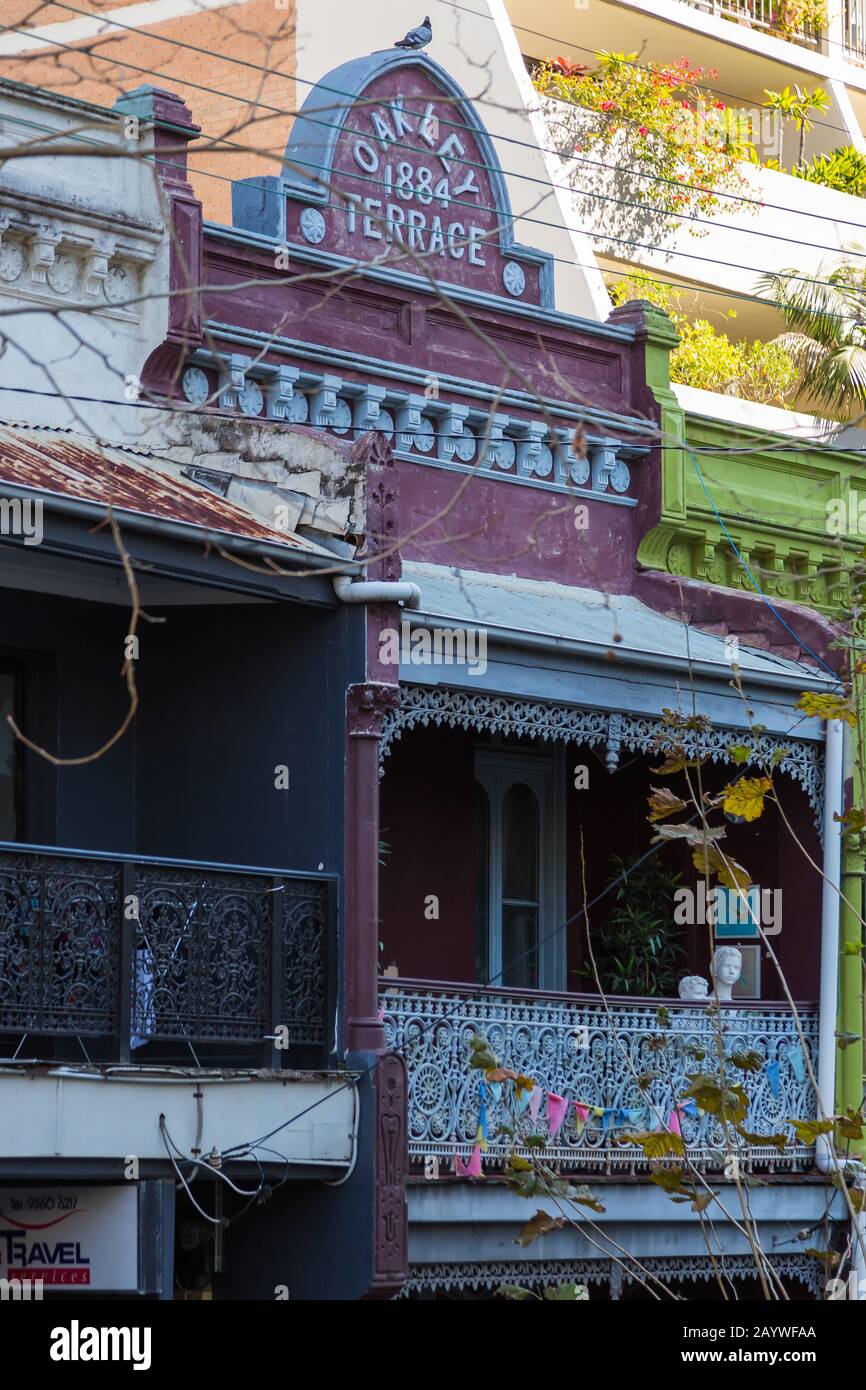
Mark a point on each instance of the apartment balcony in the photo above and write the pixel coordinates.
(119, 959)
(597, 1054)
(761, 15)
(774, 221)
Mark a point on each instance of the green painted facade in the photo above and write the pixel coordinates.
(778, 497)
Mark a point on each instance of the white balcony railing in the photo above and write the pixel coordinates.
(854, 18)
(759, 14)
(573, 1047)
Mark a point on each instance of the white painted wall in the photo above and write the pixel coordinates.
(83, 264)
(63, 1114)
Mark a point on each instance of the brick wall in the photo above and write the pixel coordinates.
(245, 117)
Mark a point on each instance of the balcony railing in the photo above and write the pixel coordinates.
(854, 18)
(124, 958)
(759, 14)
(571, 1046)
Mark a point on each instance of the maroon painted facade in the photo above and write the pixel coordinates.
(371, 314)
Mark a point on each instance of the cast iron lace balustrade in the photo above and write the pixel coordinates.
(130, 952)
(570, 1046)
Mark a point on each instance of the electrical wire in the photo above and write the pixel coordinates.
(336, 91)
(582, 48)
(534, 146)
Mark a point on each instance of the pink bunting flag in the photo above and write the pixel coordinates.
(674, 1121)
(581, 1117)
(557, 1107)
(535, 1101)
(472, 1169)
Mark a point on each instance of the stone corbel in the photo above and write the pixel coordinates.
(5, 221)
(96, 264)
(233, 370)
(707, 564)
(808, 584)
(569, 466)
(368, 409)
(323, 405)
(533, 451)
(43, 247)
(604, 463)
(280, 393)
(738, 577)
(451, 431)
(500, 451)
(409, 420)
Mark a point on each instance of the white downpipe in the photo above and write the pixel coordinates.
(830, 906)
(376, 591)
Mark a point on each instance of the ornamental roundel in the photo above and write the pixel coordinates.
(251, 399)
(11, 260)
(62, 275)
(312, 225)
(514, 279)
(194, 385)
(425, 436)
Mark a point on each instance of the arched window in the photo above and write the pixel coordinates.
(520, 881)
(519, 871)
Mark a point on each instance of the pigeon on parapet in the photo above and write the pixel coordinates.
(417, 38)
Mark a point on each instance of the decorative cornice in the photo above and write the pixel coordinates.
(420, 705)
(490, 1274)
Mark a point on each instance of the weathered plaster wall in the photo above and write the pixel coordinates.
(84, 266)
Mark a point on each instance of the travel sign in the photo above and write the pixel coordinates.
(388, 163)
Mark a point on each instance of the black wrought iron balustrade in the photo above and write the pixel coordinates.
(142, 959)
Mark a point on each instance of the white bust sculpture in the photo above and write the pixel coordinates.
(693, 987)
(726, 969)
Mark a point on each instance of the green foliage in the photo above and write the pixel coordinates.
(843, 169)
(691, 148)
(797, 105)
(826, 322)
(639, 946)
(709, 359)
(794, 17)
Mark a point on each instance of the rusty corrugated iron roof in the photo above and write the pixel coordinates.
(64, 464)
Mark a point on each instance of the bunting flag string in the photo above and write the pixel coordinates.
(556, 1109)
(795, 1059)
(473, 1168)
(637, 1116)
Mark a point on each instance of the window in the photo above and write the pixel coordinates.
(9, 701)
(520, 872)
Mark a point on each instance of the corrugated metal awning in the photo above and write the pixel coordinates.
(553, 642)
(59, 464)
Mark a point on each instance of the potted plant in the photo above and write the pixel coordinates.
(639, 948)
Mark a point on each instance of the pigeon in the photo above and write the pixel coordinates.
(417, 38)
